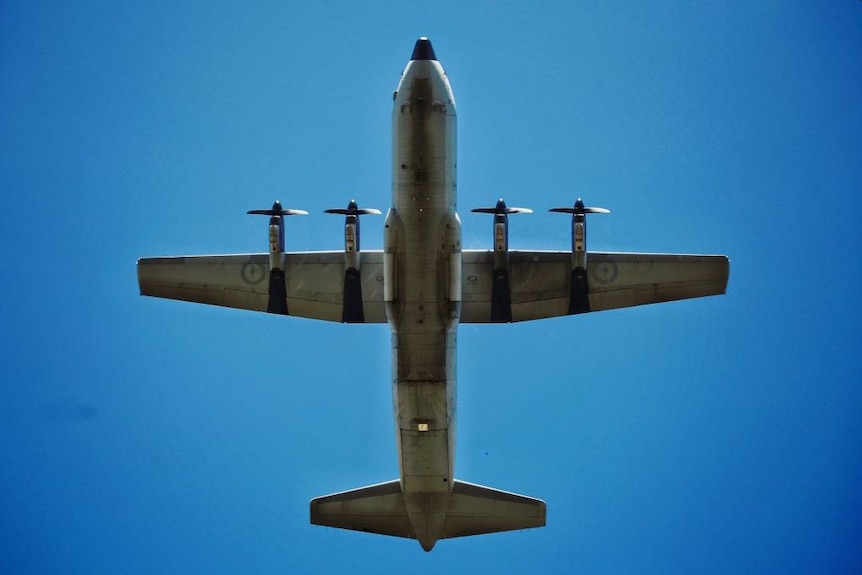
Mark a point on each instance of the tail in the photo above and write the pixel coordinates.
(468, 509)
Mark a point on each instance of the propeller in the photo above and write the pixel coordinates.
(277, 210)
(277, 302)
(501, 292)
(579, 300)
(351, 229)
(501, 229)
(580, 209)
(502, 208)
(352, 308)
(353, 210)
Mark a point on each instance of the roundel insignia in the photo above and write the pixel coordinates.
(253, 273)
(604, 271)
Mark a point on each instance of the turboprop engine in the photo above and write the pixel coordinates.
(277, 286)
(579, 288)
(501, 295)
(352, 311)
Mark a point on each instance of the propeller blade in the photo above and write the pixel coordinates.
(353, 210)
(502, 208)
(277, 210)
(506, 211)
(357, 212)
(580, 209)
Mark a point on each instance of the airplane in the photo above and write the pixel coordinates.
(423, 285)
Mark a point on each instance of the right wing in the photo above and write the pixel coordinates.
(315, 282)
(542, 284)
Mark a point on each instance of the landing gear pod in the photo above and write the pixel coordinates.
(277, 280)
(579, 293)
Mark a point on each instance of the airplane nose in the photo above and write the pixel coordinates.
(423, 50)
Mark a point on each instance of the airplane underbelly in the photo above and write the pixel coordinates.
(424, 341)
(423, 246)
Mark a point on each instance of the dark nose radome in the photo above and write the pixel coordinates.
(423, 50)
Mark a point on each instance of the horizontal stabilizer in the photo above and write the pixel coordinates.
(374, 509)
(469, 509)
(475, 509)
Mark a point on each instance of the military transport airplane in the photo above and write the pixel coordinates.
(423, 285)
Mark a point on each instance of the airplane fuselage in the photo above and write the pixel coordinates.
(422, 275)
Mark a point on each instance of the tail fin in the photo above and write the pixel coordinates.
(469, 509)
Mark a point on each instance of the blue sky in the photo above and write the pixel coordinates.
(710, 436)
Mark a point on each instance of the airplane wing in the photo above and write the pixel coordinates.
(541, 282)
(315, 282)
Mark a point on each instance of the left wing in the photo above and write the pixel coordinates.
(542, 284)
(315, 282)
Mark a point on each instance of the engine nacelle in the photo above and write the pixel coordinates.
(352, 310)
(579, 230)
(276, 243)
(501, 293)
(579, 290)
(277, 279)
(501, 230)
(276, 232)
(351, 231)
